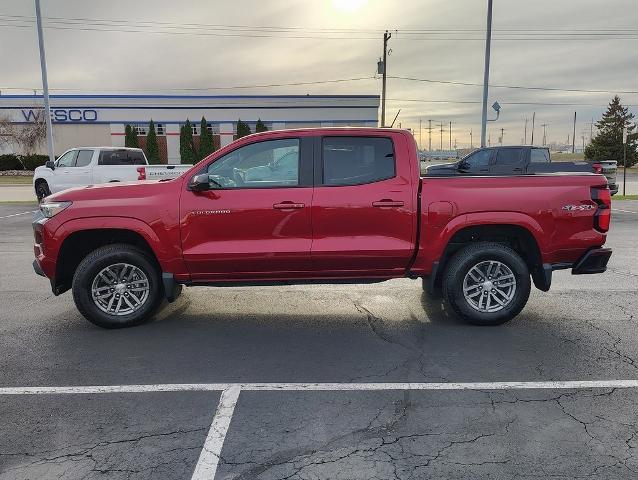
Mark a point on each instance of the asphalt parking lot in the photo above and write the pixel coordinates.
(321, 382)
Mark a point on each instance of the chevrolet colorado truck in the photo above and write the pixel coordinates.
(83, 166)
(513, 160)
(354, 209)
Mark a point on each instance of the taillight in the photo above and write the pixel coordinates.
(602, 216)
(598, 168)
(141, 171)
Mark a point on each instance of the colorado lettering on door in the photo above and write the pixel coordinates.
(65, 115)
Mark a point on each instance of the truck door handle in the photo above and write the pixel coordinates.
(387, 203)
(288, 206)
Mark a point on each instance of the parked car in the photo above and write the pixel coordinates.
(96, 165)
(356, 211)
(520, 160)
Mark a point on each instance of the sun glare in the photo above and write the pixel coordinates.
(349, 5)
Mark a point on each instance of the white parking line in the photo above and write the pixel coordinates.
(210, 454)
(619, 210)
(209, 457)
(18, 214)
(300, 387)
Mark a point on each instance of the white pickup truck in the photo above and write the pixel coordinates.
(83, 166)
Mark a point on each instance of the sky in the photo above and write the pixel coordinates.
(562, 44)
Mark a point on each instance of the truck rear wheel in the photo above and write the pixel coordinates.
(117, 286)
(487, 283)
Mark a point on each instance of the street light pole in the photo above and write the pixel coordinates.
(486, 73)
(45, 82)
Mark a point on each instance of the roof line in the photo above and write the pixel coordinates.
(189, 96)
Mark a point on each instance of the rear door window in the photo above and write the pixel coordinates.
(84, 158)
(357, 160)
(539, 155)
(121, 157)
(508, 156)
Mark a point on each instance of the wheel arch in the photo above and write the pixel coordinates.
(518, 237)
(79, 243)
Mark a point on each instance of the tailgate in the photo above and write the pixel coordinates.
(158, 172)
(609, 168)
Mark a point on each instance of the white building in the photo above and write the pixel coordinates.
(93, 120)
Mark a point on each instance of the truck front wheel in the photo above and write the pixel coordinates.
(117, 286)
(42, 189)
(487, 283)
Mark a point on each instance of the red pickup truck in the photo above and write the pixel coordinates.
(328, 205)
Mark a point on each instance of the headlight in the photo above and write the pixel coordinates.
(51, 209)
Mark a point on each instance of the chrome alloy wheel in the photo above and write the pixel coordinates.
(120, 289)
(489, 286)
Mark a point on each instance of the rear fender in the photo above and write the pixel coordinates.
(434, 241)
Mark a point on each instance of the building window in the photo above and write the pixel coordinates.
(214, 129)
(195, 127)
(142, 129)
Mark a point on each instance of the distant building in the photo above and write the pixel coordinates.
(94, 120)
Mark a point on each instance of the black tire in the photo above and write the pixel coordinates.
(42, 190)
(472, 255)
(103, 257)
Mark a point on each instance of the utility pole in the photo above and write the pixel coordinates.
(525, 140)
(450, 136)
(624, 163)
(533, 122)
(386, 37)
(45, 81)
(429, 135)
(544, 125)
(441, 136)
(486, 71)
(574, 136)
(471, 140)
(420, 129)
(502, 136)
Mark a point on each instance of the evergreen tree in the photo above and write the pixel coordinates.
(260, 127)
(187, 144)
(152, 147)
(242, 129)
(206, 146)
(130, 137)
(608, 142)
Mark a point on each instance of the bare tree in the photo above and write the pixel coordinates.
(6, 132)
(31, 135)
(27, 137)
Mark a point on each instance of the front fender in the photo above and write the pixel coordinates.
(167, 254)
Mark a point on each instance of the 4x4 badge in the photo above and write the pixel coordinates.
(573, 208)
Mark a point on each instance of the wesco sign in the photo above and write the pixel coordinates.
(65, 115)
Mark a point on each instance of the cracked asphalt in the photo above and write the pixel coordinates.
(583, 329)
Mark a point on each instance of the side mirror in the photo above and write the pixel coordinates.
(50, 164)
(462, 166)
(199, 183)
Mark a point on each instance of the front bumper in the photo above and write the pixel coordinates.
(38, 269)
(594, 261)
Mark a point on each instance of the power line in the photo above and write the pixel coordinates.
(516, 87)
(265, 32)
(208, 26)
(193, 89)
